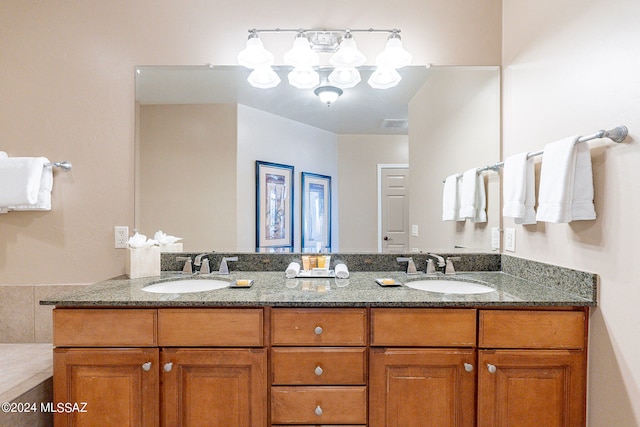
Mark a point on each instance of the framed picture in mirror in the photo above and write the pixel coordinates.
(316, 212)
(274, 207)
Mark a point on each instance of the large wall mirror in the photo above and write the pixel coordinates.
(201, 129)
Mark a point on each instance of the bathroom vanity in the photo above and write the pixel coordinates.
(346, 353)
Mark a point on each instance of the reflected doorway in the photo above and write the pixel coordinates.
(393, 208)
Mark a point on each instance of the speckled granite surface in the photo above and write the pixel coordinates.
(360, 290)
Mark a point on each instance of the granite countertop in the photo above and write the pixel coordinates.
(360, 290)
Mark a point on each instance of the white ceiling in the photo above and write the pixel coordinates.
(360, 110)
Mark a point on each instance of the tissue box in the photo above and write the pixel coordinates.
(171, 247)
(143, 262)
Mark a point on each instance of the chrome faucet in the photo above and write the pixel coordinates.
(411, 266)
(202, 261)
(224, 267)
(431, 268)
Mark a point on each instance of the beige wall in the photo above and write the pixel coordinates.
(455, 126)
(67, 81)
(187, 174)
(358, 159)
(573, 68)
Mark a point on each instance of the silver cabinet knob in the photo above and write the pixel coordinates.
(168, 367)
(492, 368)
(318, 330)
(318, 410)
(468, 367)
(146, 366)
(318, 371)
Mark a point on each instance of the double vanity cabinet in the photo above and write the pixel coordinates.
(321, 366)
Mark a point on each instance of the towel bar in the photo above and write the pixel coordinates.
(65, 166)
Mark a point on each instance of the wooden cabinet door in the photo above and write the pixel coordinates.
(531, 388)
(214, 387)
(106, 387)
(422, 387)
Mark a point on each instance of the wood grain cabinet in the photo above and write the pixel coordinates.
(219, 379)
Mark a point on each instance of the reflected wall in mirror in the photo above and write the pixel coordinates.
(200, 130)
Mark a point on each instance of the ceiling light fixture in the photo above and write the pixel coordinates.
(328, 94)
(345, 59)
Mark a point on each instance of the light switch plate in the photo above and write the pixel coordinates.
(495, 238)
(510, 239)
(414, 230)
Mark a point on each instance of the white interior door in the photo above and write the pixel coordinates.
(394, 209)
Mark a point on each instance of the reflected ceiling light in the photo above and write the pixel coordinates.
(384, 78)
(263, 77)
(328, 94)
(254, 55)
(344, 77)
(304, 78)
(348, 54)
(394, 55)
(303, 56)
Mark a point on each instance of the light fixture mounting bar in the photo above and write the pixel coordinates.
(305, 30)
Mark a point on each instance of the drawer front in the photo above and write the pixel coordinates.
(318, 366)
(532, 329)
(104, 327)
(210, 327)
(318, 327)
(319, 405)
(423, 327)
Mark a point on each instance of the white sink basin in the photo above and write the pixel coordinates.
(449, 286)
(185, 286)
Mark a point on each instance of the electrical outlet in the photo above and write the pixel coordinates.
(510, 239)
(122, 236)
(495, 238)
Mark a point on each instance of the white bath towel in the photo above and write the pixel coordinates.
(473, 202)
(566, 183)
(451, 199)
(20, 179)
(44, 193)
(341, 270)
(519, 189)
(292, 270)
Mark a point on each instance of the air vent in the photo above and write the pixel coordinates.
(395, 123)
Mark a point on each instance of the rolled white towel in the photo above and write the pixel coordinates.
(20, 178)
(341, 270)
(292, 270)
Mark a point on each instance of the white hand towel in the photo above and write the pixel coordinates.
(292, 270)
(341, 270)
(468, 194)
(566, 183)
(44, 193)
(519, 189)
(3, 155)
(481, 201)
(20, 179)
(451, 199)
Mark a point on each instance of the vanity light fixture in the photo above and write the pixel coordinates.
(328, 94)
(304, 59)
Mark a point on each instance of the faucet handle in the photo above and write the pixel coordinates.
(224, 267)
(449, 269)
(188, 265)
(411, 266)
(205, 269)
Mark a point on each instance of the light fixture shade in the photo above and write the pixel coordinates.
(344, 77)
(394, 55)
(303, 78)
(263, 77)
(255, 55)
(328, 94)
(348, 54)
(301, 55)
(384, 78)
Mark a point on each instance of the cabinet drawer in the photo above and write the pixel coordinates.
(319, 405)
(423, 327)
(318, 366)
(532, 329)
(318, 327)
(104, 327)
(210, 327)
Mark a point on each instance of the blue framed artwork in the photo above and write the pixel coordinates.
(316, 212)
(274, 207)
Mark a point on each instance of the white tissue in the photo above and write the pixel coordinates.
(163, 239)
(292, 270)
(138, 241)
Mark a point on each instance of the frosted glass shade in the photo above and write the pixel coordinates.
(263, 77)
(394, 55)
(328, 94)
(255, 55)
(301, 55)
(303, 78)
(384, 78)
(344, 77)
(348, 54)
